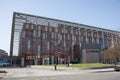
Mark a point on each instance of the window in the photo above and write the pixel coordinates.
(95, 40)
(27, 26)
(71, 31)
(66, 31)
(52, 35)
(34, 33)
(50, 29)
(43, 35)
(89, 34)
(84, 39)
(90, 40)
(46, 28)
(68, 36)
(76, 32)
(59, 36)
(81, 38)
(32, 26)
(73, 43)
(58, 41)
(39, 27)
(72, 37)
(64, 44)
(45, 48)
(28, 44)
(62, 30)
(54, 49)
(31, 34)
(26, 48)
(38, 52)
(56, 30)
(95, 34)
(75, 38)
(56, 35)
(48, 46)
(39, 33)
(23, 34)
(84, 33)
(63, 49)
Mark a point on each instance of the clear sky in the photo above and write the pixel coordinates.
(100, 13)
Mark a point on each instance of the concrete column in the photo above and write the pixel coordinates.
(112, 41)
(72, 54)
(52, 59)
(92, 36)
(58, 59)
(86, 36)
(92, 39)
(61, 60)
(72, 47)
(68, 59)
(48, 61)
(35, 61)
(22, 62)
(84, 60)
(86, 39)
(103, 43)
(43, 62)
(97, 38)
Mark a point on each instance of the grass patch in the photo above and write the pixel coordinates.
(88, 65)
(83, 65)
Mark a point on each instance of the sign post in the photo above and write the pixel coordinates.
(57, 59)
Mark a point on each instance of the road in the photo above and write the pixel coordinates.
(44, 74)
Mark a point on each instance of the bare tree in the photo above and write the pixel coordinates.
(112, 54)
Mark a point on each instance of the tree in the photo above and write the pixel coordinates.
(111, 54)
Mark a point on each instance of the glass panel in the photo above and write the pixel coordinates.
(34, 33)
(28, 44)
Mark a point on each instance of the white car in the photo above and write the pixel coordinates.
(3, 63)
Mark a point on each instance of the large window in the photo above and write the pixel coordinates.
(31, 34)
(39, 33)
(90, 40)
(34, 33)
(52, 35)
(48, 46)
(23, 34)
(95, 40)
(43, 35)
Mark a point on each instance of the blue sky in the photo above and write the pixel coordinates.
(100, 13)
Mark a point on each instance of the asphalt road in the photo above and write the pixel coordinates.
(42, 74)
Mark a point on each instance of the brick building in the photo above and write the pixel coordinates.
(42, 40)
(3, 55)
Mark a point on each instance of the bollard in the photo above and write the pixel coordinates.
(55, 66)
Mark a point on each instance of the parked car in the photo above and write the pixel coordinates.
(117, 66)
(3, 63)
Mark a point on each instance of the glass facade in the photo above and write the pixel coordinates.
(43, 37)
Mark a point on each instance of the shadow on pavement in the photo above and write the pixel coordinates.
(105, 67)
(103, 71)
(3, 72)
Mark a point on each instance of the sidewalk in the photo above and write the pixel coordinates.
(95, 69)
(2, 74)
(53, 68)
(37, 71)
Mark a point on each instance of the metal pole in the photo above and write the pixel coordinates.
(55, 66)
(56, 63)
(12, 40)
